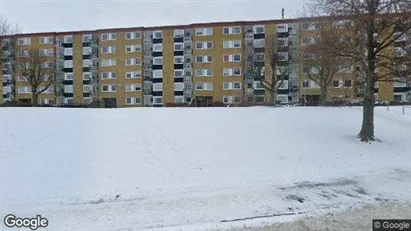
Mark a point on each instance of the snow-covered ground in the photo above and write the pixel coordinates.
(196, 168)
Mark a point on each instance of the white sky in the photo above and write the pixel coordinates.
(67, 15)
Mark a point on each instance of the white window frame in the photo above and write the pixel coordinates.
(178, 33)
(203, 31)
(178, 57)
(157, 31)
(182, 46)
(204, 72)
(133, 74)
(132, 35)
(87, 88)
(68, 88)
(110, 36)
(204, 45)
(111, 87)
(231, 30)
(155, 98)
(157, 74)
(259, 26)
(157, 86)
(231, 58)
(203, 84)
(110, 75)
(108, 50)
(231, 44)
(179, 99)
(178, 86)
(85, 74)
(204, 57)
(68, 64)
(159, 47)
(133, 61)
(87, 50)
(110, 62)
(86, 38)
(178, 71)
(157, 58)
(231, 71)
(68, 76)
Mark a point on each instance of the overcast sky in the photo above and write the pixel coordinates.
(67, 15)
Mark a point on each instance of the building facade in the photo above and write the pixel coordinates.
(201, 64)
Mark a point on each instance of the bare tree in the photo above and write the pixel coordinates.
(376, 25)
(37, 69)
(321, 64)
(277, 74)
(6, 27)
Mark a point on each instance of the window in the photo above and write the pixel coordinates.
(108, 62)
(132, 61)
(133, 87)
(109, 50)
(157, 100)
(232, 44)
(157, 86)
(400, 97)
(259, 43)
(158, 34)
(178, 59)
(108, 88)
(68, 76)
(204, 72)
(282, 42)
(86, 38)
(133, 74)
(204, 59)
(232, 30)
(46, 52)
(347, 83)
(133, 100)
(24, 41)
(108, 75)
(232, 58)
(68, 64)
(231, 99)
(283, 84)
(204, 45)
(178, 86)
(87, 101)
(306, 84)
(311, 26)
(178, 99)
(24, 90)
(87, 62)
(206, 31)
(68, 51)
(282, 56)
(232, 85)
(178, 73)
(68, 88)
(281, 28)
(178, 33)
(87, 50)
(399, 84)
(178, 46)
(46, 40)
(336, 83)
(158, 47)
(108, 36)
(133, 35)
(87, 76)
(204, 86)
(259, 30)
(68, 101)
(68, 39)
(232, 72)
(157, 73)
(158, 60)
(258, 85)
(133, 48)
(86, 88)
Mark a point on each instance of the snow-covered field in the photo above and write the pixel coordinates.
(196, 168)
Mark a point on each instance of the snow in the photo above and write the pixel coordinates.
(191, 168)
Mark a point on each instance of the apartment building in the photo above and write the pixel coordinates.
(201, 64)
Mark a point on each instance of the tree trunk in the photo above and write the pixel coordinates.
(323, 98)
(34, 99)
(272, 97)
(367, 129)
